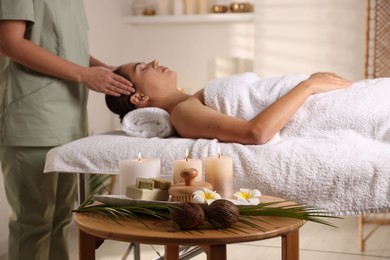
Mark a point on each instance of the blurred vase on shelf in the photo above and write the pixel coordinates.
(164, 7)
(203, 6)
(219, 6)
(178, 7)
(241, 7)
(138, 7)
(190, 7)
(151, 7)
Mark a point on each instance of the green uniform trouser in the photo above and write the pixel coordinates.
(40, 205)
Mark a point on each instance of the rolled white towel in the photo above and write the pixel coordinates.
(148, 122)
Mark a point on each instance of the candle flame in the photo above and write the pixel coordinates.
(219, 152)
(186, 155)
(139, 156)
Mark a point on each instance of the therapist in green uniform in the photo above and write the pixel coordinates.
(45, 73)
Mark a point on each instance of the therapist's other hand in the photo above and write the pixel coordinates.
(104, 80)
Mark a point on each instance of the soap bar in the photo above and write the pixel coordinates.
(145, 183)
(144, 194)
(160, 183)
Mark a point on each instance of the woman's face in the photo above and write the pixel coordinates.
(150, 78)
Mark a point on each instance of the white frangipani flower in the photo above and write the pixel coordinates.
(250, 196)
(205, 196)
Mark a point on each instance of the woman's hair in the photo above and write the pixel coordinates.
(120, 105)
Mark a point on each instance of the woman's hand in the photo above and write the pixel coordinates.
(326, 81)
(104, 80)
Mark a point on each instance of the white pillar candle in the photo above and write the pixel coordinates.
(219, 173)
(179, 165)
(131, 169)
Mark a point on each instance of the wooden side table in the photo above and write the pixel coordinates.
(94, 228)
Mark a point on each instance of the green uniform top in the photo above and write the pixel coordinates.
(36, 109)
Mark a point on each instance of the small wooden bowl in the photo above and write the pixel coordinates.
(219, 9)
(149, 12)
(241, 7)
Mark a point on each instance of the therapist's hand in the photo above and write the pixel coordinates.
(104, 80)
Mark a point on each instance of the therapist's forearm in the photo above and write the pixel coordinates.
(93, 62)
(22, 51)
(32, 56)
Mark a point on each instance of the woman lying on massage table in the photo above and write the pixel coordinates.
(192, 116)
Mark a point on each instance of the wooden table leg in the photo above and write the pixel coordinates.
(86, 246)
(216, 252)
(290, 245)
(171, 252)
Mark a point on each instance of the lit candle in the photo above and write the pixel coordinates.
(131, 169)
(179, 165)
(219, 173)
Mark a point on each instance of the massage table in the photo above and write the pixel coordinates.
(342, 182)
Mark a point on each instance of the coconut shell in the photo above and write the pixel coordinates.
(187, 215)
(222, 213)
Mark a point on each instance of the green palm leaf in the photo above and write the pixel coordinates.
(247, 213)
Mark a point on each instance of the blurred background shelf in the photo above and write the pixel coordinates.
(206, 18)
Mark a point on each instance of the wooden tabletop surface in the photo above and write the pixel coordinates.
(162, 232)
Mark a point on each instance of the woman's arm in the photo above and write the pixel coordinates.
(193, 119)
(17, 48)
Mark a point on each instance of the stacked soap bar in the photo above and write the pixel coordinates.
(145, 183)
(149, 189)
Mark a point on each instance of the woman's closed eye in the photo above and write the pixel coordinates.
(144, 68)
(140, 66)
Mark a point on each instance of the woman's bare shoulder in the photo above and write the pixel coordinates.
(189, 104)
(195, 98)
(199, 96)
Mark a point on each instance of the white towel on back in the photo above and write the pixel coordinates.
(245, 95)
(363, 108)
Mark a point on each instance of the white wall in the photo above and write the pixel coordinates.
(305, 36)
(108, 35)
(290, 36)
